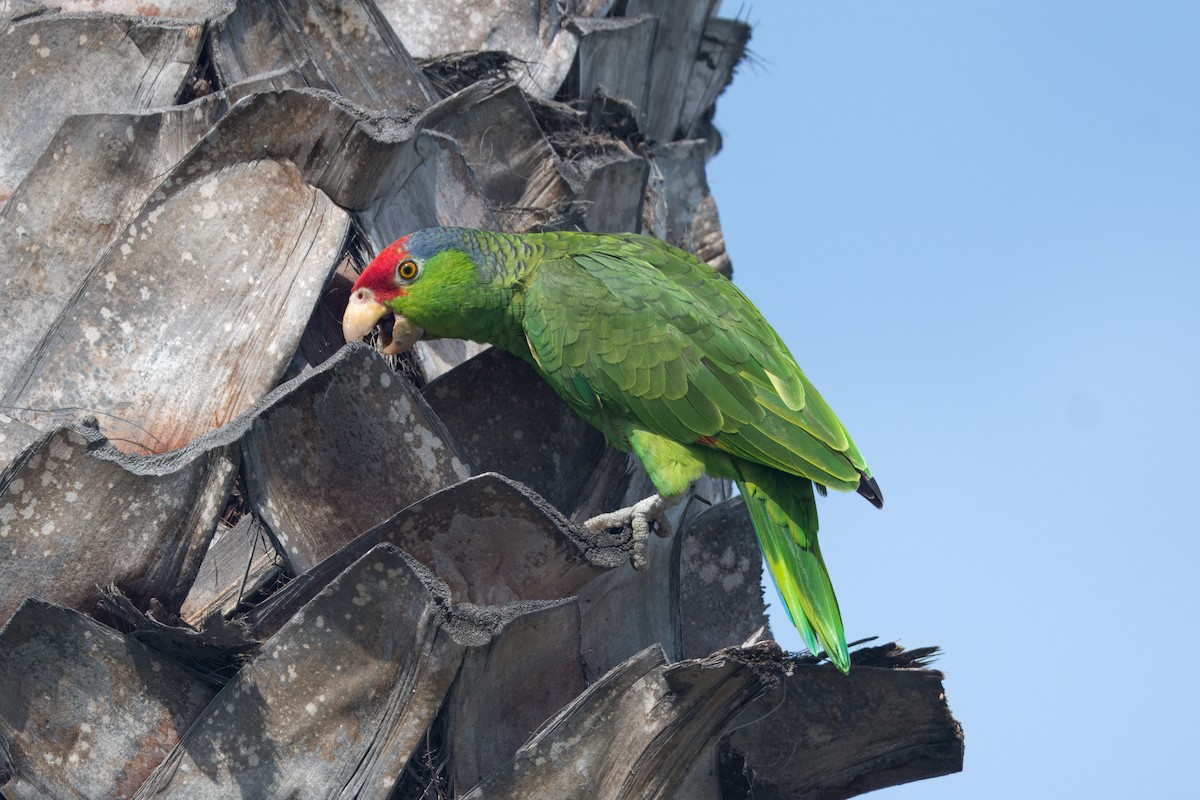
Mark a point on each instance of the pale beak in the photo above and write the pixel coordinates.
(362, 314)
(404, 335)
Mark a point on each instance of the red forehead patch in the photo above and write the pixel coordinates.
(378, 274)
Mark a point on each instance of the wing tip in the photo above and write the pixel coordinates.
(869, 489)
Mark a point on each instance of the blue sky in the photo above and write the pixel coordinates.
(977, 226)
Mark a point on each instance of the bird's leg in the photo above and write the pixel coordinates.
(637, 518)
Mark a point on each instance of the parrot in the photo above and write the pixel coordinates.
(663, 355)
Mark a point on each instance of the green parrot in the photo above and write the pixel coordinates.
(663, 355)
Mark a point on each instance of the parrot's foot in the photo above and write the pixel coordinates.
(637, 518)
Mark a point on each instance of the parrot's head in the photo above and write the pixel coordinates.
(419, 279)
(382, 288)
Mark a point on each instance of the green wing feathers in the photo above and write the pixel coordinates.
(643, 340)
(628, 328)
(784, 513)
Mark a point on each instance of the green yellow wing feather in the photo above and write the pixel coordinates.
(644, 340)
(663, 341)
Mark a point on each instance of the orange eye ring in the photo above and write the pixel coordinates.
(407, 270)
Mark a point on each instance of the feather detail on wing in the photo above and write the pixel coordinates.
(630, 328)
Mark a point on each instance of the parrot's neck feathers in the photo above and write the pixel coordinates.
(498, 258)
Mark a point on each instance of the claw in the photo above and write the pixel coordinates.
(637, 518)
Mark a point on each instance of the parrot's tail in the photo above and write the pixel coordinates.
(784, 513)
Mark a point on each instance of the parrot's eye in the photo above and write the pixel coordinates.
(407, 270)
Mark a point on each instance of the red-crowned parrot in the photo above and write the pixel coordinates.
(663, 355)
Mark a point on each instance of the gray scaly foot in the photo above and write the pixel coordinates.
(636, 517)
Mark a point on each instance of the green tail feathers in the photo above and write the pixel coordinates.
(784, 513)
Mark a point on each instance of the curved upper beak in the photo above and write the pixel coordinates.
(363, 312)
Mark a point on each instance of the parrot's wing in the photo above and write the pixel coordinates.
(639, 331)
